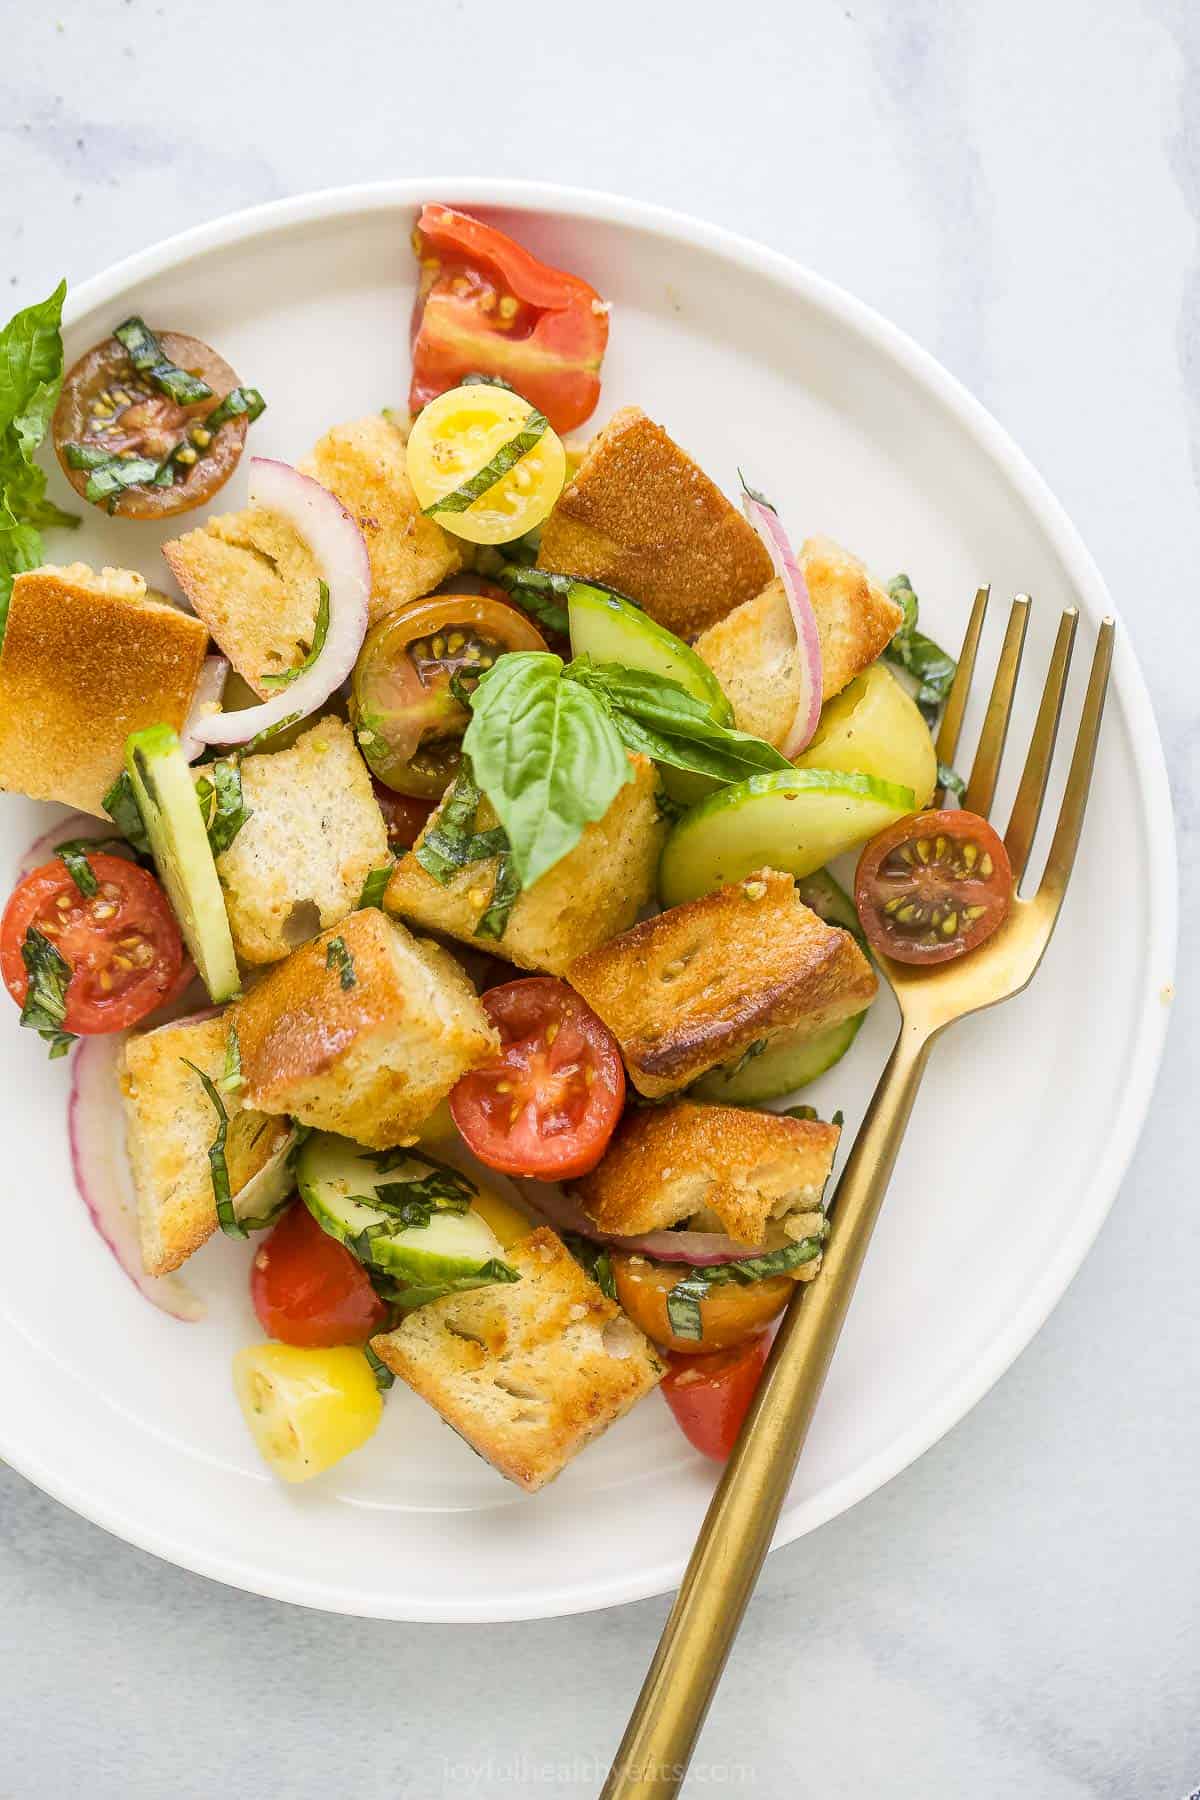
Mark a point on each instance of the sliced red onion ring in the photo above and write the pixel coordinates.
(766, 522)
(703, 1249)
(71, 825)
(340, 551)
(96, 1125)
(206, 701)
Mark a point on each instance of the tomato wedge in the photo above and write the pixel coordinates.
(413, 673)
(547, 1105)
(120, 943)
(711, 1395)
(486, 305)
(933, 886)
(307, 1289)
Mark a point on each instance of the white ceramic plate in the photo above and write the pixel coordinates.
(1029, 1114)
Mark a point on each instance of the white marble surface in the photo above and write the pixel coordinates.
(1016, 182)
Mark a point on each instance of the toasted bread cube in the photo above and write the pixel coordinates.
(363, 463)
(361, 1032)
(697, 985)
(593, 893)
(730, 1166)
(170, 1125)
(753, 651)
(527, 1371)
(313, 836)
(642, 517)
(254, 581)
(86, 659)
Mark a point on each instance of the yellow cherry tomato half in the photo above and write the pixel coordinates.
(306, 1409)
(508, 1222)
(460, 434)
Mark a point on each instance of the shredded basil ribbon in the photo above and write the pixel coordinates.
(227, 1217)
(233, 1079)
(219, 793)
(122, 808)
(486, 1275)
(684, 1299)
(320, 633)
(45, 1005)
(375, 887)
(384, 1379)
(929, 665)
(79, 868)
(454, 845)
(506, 458)
(148, 358)
(338, 957)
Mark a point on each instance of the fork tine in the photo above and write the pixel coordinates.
(956, 700)
(982, 786)
(1070, 817)
(1027, 807)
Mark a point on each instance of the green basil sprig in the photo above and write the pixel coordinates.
(930, 666)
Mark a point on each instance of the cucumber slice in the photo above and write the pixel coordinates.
(166, 797)
(338, 1181)
(612, 630)
(830, 901)
(788, 1062)
(796, 820)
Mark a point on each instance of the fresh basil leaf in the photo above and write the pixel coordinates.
(45, 1005)
(507, 457)
(931, 667)
(227, 1217)
(761, 1268)
(122, 808)
(453, 843)
(320, 633)
(505, 894)
(546, 753)
(239, 403)
(951, 780)
(450, 1182)
(375, 887)
(486, 1275)
(219, 792)
(149, 358)
(658, 717)
(384, 1379)
(79, 868)
(233, 1079)
(338, 957)
(412, 1204)
(31, 370)
(110, 480)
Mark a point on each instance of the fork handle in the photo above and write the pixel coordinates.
(733, 1542)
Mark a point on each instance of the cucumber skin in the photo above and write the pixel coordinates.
(781, 1069)
(635, 627)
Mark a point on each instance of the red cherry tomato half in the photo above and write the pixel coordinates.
(711, 1395)
(121, 943)
(547, 1105)
(486, 306)
(933, 886)
(307, 1289)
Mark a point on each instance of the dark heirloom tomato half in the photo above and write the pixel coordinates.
(307, 1289)
(106, 405)
(485, 305)
(933, 886)
(547, 1105)
(711, 1395)
(121, 943)
(404, 816)
(407, 718)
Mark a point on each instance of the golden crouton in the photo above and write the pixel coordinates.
(361, 1032)
(642, 517)
(676, 1162)
(255, 583)
(754, 655)
(363, 463)
(527, 1371)
(698, 984)
(593, 893)
(86, 659)
(170, 1125)
(314, 834)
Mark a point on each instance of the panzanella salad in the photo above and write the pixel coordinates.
(449, 901)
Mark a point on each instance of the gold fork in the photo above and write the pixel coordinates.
(736, 1534)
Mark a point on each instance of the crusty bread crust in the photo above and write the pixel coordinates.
(170, 1124)
(700, 983)
(596, 891)
(669, 1163)
(86, 659)
(363, 463)
(370, 1058)
(753, 651)
(642, 517)
(528, 1372)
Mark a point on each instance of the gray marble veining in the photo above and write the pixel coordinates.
(1017, 184)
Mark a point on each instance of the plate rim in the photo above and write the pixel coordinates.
(797, 1519)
